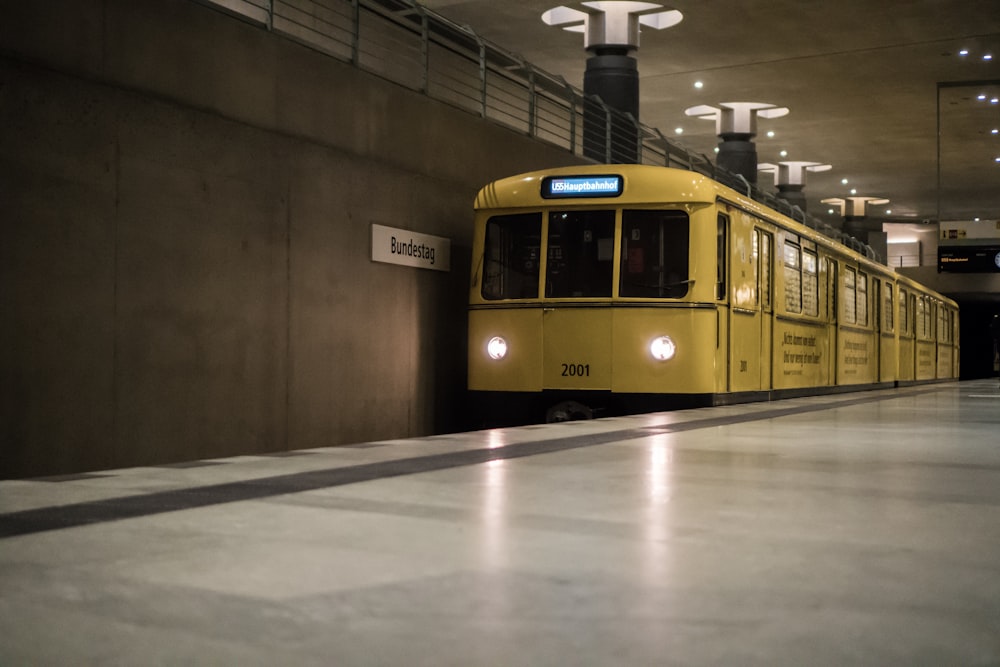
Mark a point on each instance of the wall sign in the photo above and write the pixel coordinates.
(409, 248)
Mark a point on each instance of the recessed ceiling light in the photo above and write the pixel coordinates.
(963, 52)
(988, 56)
(783, 153)
(995, 131)
(981, 97)
(995, 100)
(843, 181)
(830, 211)
(678, 130)
(770, 133)
(888, 211)
(698, 84)
(716, 149)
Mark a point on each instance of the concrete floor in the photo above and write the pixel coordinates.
(851, 529)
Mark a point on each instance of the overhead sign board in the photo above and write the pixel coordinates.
(570, 187)
(409, 248)
(969, 259)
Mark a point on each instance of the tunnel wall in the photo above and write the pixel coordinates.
(185, 251)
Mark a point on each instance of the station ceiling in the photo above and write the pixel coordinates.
(871, 86)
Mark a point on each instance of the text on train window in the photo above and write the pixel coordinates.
(511, 256)
(793, 278)
(654, 260)
(850, 295)
(581, 248)
(862, 308)
(810, 283)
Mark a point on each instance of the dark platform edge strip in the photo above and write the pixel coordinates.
(43, 519)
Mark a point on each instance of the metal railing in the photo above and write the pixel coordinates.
(408, 44)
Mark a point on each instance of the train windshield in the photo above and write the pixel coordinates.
(581, 250)
(511, 259)
(654, 261)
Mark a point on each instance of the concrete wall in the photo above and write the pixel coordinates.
(185, 240)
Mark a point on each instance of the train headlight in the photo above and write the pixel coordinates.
(662, 348)
(496, 348)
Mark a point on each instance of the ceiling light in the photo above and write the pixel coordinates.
(963, 52)
(678, 130)
(830, 211)
(888, 211)
(981, 97)
(843, 181)
(854, 191)
(988, 56)
(783, 153)
(995, 131)
(995, 100)
(770, 133)
(698, 84)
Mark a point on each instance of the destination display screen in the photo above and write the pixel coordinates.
(969, 259)
(570, 187)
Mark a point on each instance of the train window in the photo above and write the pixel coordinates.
(862, 308)
(765, 270)
(654, 261)
(904, 315)
(888, 321)
(793, 278)
(511, 256)
(580, 254)
(921, 319)
(810, 283)
(850, 295)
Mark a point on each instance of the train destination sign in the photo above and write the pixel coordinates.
(569, 187)
(409, 248)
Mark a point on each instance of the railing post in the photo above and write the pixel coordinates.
(356, 32)
(532, 128)
(482, 75)
(425, 50)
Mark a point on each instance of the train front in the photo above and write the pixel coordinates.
(593, 292)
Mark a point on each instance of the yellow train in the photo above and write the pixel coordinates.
(607, 289)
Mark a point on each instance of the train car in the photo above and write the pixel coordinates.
(608, 289)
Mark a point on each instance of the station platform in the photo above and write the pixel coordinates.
(851, 529)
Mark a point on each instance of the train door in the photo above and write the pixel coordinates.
(745, 321)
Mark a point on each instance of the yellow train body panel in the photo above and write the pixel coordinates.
(580, 269)
(693, 370)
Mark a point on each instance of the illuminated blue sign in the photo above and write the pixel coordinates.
(555, 187)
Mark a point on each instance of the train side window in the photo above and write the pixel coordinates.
(904, 314)
(765, 270)
(793, 278)
(720, 256)
(862, 308)
(580, 254)
(654, 259)
(511, 256)
(850, 295)
(888, 320)
(810, 283)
